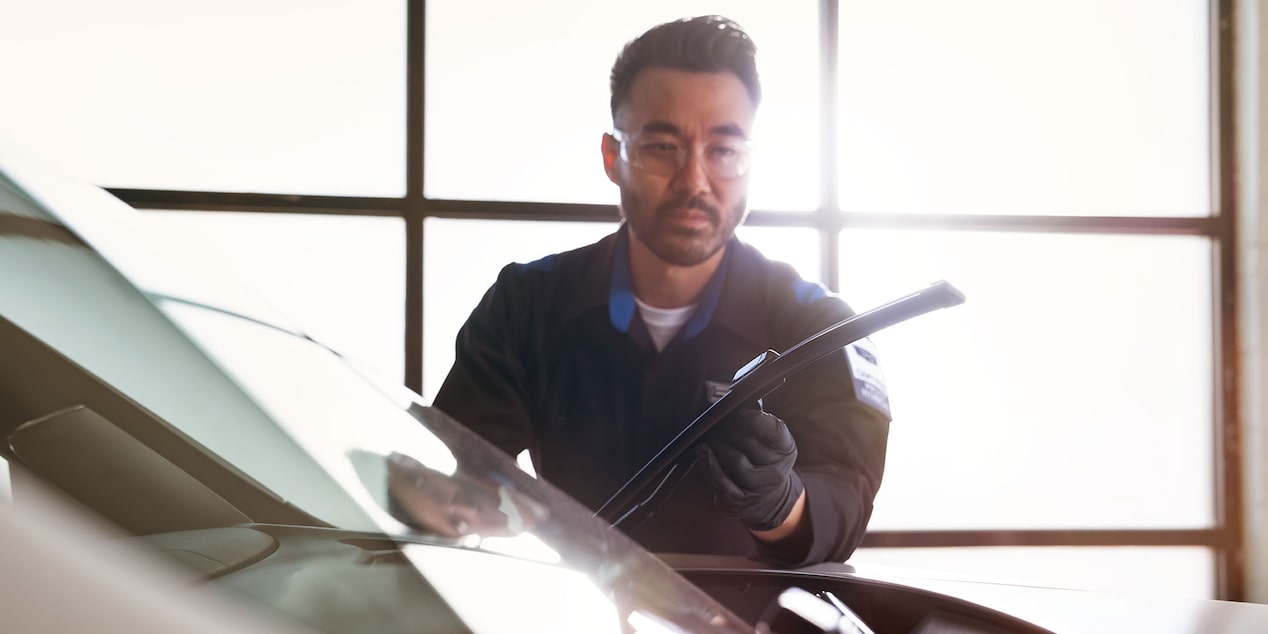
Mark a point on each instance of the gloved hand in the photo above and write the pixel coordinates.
(750, 457)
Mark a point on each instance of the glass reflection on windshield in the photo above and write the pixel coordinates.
(419, 475)
(323, 407)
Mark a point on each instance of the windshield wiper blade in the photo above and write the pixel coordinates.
(638, 497)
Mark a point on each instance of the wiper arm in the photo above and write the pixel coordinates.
(633, 502)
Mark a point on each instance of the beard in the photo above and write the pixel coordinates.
(675, 244)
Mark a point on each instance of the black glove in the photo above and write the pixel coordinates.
(750, 458)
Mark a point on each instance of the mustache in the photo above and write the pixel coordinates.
(689, 202)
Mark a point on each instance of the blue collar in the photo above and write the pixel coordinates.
(621, 305)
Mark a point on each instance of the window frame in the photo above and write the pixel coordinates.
(1225, 539)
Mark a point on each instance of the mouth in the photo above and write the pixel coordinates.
(691, 217)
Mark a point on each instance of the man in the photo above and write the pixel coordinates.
(594, 359)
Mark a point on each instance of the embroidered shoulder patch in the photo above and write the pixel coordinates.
(865, 370)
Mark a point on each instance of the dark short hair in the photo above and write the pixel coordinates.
(705, 44)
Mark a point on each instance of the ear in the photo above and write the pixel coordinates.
(611, 152)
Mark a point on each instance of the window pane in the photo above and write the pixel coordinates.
(1076, 107)
(1161, 572)
(1073, 389)
(292, 96)
(796, 246)
(462, 259)
(509, 80)
(341, 278)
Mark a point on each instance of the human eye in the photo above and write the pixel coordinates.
(727, 151)
(723, 152)
(658, 147)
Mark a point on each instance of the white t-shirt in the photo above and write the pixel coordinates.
(663, 323)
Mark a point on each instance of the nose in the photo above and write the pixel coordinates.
(692, 177)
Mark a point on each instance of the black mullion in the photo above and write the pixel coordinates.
(1230, 569)
(1210, 538)
(414, 271)
(1142, 225)
(1145, 225)
(183, 200)
(504, 210)
(177, 200)
(415, 202)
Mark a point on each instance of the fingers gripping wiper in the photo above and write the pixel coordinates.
(638, 497)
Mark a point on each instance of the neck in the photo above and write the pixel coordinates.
(664, 285)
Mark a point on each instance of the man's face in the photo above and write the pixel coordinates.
(682, 215)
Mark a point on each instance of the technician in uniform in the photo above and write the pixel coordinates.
(595, 358)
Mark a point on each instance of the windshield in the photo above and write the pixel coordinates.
(290, 418)
(416, 472)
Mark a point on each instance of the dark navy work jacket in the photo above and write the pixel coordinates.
(555, 359)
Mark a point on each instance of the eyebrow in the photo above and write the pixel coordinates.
(664, 127)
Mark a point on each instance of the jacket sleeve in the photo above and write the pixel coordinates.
(842, 485)
(839, 416)
(486, 387)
